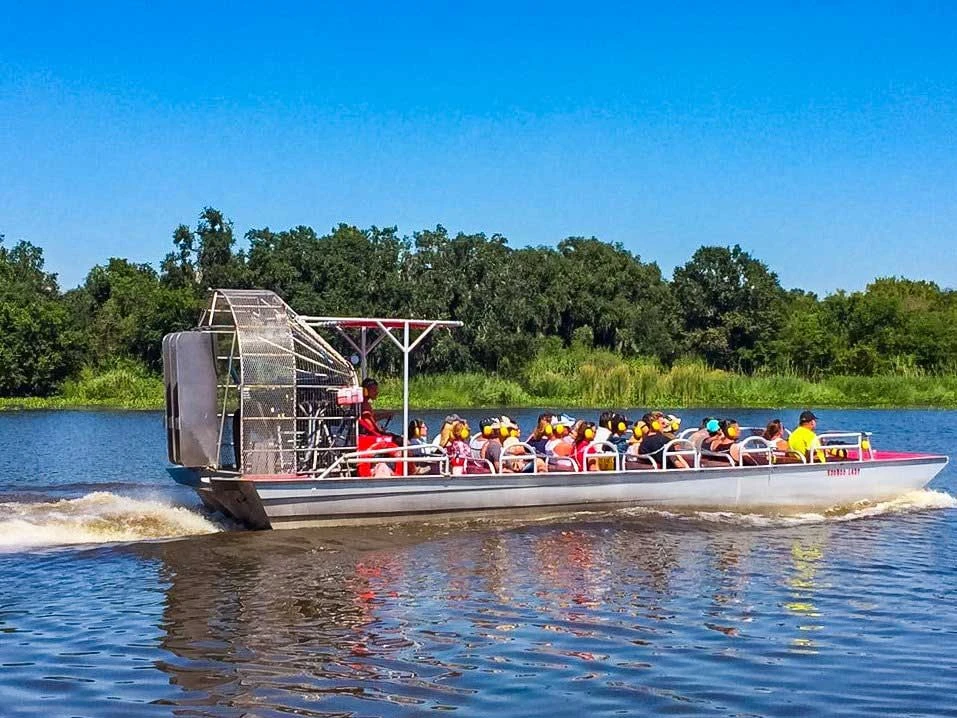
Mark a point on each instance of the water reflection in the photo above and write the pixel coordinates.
(807, 556)
(441, 618)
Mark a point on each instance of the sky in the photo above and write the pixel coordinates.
(821, 137)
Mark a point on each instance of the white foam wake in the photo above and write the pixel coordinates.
(99, 517)
(913, 501)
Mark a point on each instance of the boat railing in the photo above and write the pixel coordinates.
(835, 440)
(754, 446)
(681, 448)
(687, 433)
(608, 453)
(388, 455)
(528, 454)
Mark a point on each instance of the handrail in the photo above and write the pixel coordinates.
(610, 452)
(763, 446)
(639, 457)
(856, 439)
(529, 455)
(667, 451)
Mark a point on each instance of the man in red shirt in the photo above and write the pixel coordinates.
(368, 420)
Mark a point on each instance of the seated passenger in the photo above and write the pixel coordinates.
(725, 442)
(513, 447)
(481, 438)
(774, 435)
(708, 430)
(542, 433)
(458, 447)
(617, 428)
(654, 442)
(583, 446)
(803, 437)
(417, 440)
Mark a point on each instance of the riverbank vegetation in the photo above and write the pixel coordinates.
(584, 323)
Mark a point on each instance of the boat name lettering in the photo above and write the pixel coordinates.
(844, 472)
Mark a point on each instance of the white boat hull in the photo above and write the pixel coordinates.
(276, 502)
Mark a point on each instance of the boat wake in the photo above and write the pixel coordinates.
(99, 517)
(911, 502)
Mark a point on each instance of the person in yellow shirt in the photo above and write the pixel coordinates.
(803, 437)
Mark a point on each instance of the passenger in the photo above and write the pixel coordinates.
(560, 446)
(417, 439)
(542, 433)
(512, 446)
(803, 437)
(725, 442)
(492, 450)
(708, 430)
(638, 432)
(445, 432)
(671, 425)
(583, 446)
(774, 435)
(368, 418)
(619, 432)
(654, 442)
(458, 447)
(481, 438)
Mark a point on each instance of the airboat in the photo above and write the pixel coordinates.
(262, 420)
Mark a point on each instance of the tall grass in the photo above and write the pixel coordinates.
(574, 378)
(126, 385)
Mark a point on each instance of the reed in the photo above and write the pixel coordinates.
(126, 385)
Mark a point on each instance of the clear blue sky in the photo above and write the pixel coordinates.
(822, 139)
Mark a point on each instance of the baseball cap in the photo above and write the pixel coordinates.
(806, 416)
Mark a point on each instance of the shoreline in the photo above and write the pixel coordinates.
(586, 385)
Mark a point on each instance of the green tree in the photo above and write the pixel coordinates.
(731, 304)
(38, 345)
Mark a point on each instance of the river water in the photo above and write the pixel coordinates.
(119, 596)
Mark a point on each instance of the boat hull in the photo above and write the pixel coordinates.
(276, 502)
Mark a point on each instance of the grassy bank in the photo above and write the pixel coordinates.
(598, 379)
(572, 379)
(126, 386)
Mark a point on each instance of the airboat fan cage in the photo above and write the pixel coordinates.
(276, 390)
(256, 390)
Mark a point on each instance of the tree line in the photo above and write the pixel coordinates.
(723, 305)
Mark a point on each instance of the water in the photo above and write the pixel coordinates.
(119, 597)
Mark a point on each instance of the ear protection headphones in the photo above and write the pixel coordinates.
(463, 433)
(622, 426)
(418, 431)
(589, 433)
(560, 429)
(547, 430)
(486, 431)
(656, 424)
(513, 432)
(732, 431)
(503, 431)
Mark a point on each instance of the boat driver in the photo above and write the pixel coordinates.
(368, 419)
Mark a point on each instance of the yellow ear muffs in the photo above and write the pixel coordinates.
(486, 431)
(732, 432)
(503, 432)
(547, 430)
(560, 430)
(418, 432)
(589, 433)
(656, 425)
(675, 425)
(464, 434)
(513, 433)
(622, 426)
